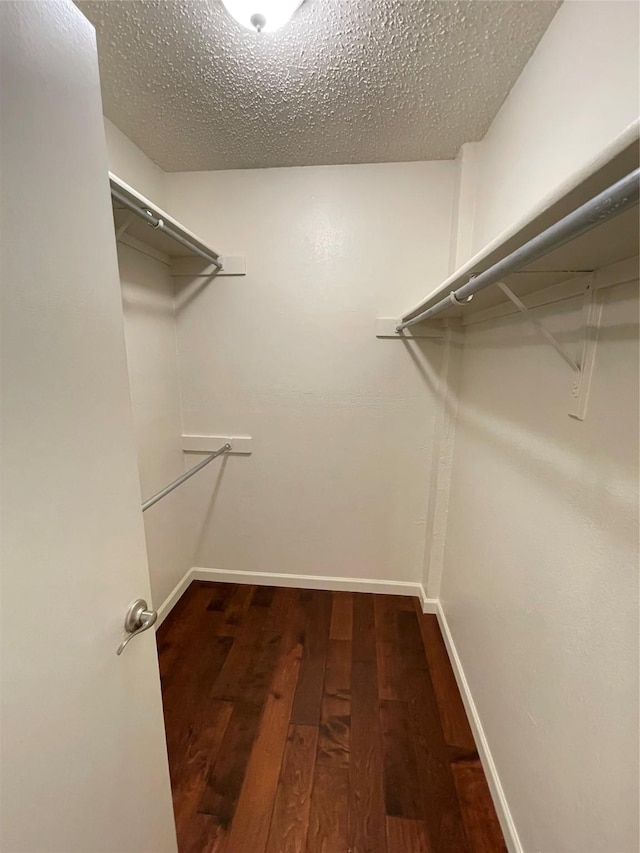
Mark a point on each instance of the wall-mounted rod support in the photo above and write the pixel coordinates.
(155, 222)
(555, 343)
(122, 229)
(181, 480)
(609, 203)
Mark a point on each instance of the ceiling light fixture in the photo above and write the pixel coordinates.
(262, 16)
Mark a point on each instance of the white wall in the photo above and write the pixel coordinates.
(540, 585)
(150, 334)
(467, 166)
(540, 575)
(540, 566)
(577, 93)
(341, 421)
(132, 165)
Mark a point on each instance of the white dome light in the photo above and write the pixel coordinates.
(262, 15)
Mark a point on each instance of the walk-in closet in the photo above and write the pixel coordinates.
(320, 426)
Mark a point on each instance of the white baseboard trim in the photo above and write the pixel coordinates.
(174, 596)
(429, 605)
(335, 584)
(499, 800)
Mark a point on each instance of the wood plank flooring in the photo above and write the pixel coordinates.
(305, 721)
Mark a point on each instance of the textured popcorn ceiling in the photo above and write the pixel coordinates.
(346, 81)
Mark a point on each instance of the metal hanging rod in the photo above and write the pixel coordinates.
(615, 200)
(154, 500)
(156, 222)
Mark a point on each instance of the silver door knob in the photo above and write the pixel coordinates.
(137, 620)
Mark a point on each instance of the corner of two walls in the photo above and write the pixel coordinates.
(342, 423)
(538, 139)
(577, 93)
(133, 166)
(536, 575)
(463, 215)
(538, 581)
(150, 336)
(546, 129)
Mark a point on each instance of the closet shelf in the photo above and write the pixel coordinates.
(145, 222)
(614, 240)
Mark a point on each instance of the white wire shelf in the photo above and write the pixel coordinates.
(153, 226)
(613, 241)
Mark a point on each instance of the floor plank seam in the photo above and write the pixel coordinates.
(279, 743)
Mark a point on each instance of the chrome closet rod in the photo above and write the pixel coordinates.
(609, 203)
(155, 222)
(225, 449)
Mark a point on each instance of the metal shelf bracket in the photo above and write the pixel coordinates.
(583, 369)
(122, 229)
(592, 318)
(555, 343)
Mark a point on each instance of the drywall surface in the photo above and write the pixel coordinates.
(150, 334)
(540, 583)
(341, 422)
(579, 90)
(132, 165)
(464, 205)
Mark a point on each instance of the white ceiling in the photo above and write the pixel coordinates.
(346, 81)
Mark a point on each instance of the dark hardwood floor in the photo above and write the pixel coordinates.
(302, 720)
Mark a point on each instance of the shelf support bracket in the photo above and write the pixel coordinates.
(555, 343)
(592, 318)
(121, 230)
